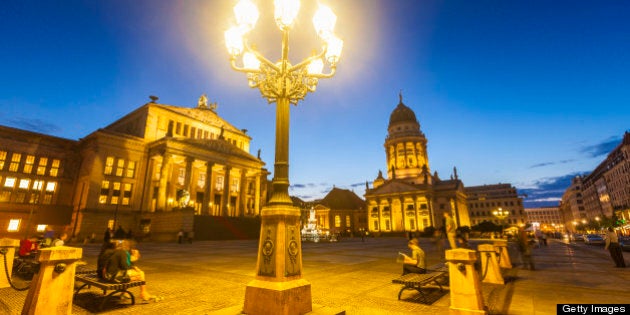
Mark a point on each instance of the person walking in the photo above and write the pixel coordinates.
(450, 229)
(612, 245)
(525, 249)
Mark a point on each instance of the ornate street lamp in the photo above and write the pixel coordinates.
(501, 215)
(279, 287)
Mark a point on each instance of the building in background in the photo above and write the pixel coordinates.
(411, 199)
(149, 172)
(484, 200)
(605, 192)
(546, 219)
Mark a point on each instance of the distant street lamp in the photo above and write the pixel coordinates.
(279, 287)
(501, 215)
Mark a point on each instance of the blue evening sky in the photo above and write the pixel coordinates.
(523, 92)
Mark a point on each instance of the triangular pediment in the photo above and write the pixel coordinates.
(393, 186)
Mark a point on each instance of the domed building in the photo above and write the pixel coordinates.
(411, 199)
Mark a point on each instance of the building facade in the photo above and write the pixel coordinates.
(411, 199)
(484, 200)
(148, 168)
(605, 192)
(547, 219)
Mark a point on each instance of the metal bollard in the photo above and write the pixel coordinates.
(52, 287)
(466, 295)
(7, 246)
(490, 271)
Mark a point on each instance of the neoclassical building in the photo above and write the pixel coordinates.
(411, 198)
(150, 171)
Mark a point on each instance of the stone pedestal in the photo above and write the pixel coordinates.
(8, 245)
(53, 286)
(466, 295)
(504, 256)
(279, 287)
(490, 271)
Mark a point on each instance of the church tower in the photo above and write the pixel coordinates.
(406, 147)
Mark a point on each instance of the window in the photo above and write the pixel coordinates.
(54, 167)
(201, 180)
(348, 222)
(185, 130)
(5, 196)
(41, 168)
(115, 193)
(120, 167)
(386, 225)
(15, 162)
(109, 165)
(3, 158)
(9, 182)
(50, 186)
(131, 169)
(41, 227)
(181, 175)
(193, 132)
(375, 225)
(337, 221)
(38, 185)
(126, 194)
(178, 128)
(24, 183)
(412, 224)
(28, 164)
(235, 186)
(102, 199)
(219, 183)
(14, 225)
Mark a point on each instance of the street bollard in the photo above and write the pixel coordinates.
(7, 246)
(504, 256)
(53, 286)
(490, 271)
(466, 295)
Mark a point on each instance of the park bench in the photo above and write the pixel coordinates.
(90, 278)
(419, 282)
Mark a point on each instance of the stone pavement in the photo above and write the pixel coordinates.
(351, 276)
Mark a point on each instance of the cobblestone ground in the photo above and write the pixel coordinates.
(353, 276)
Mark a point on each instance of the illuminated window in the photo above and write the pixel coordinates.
(34, 198)
(50, 186)
(24, 183)
(9, 182)
(102, 199)
(158, 170)
(3, 158)
(41, 227)
(110, 224)
(131, 169)
(109, 165)
(120, 167)
(219, 183)
(20, 197)
(126, 194)
(54, 167)
(181, 175)
(235, 186)
(115, 193)
(5, 196)
(348, 221)
(14, 225)
(337, 221)
(201, 180)
(28, 165)
(41, 167)
(38, 185)
(15, 162)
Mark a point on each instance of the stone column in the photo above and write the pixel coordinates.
(490, 271)
(225, 200)
(500, 247)
(242, 195)
(257, 195)
(207, 189)
(164, 178)
(53, 286)
(188, 176)
(466, 295)
(7, 246)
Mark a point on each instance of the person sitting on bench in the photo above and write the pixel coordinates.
(417, 262)
(120, 260)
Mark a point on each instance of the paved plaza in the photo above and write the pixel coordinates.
(351, 276)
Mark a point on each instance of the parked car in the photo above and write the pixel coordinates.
(593, 239)
(625, 243)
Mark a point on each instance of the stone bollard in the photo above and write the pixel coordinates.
(466, 295)
(490, 271)
(7, 246)
(504, 256)
(53, 286)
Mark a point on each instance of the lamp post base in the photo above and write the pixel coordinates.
(269, 297)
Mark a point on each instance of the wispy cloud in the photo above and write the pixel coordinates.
(602, 148)
(36, 125)
(551, 163)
